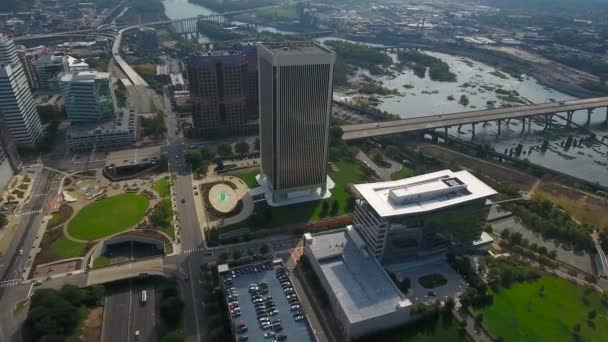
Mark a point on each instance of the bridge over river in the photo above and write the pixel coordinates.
(445, 121)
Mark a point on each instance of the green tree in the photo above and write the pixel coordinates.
(171, 311)
(3, 220)
(194, 158)
(335, 134)
(335, 207)
(242, 147)
(72, 294)
(174, 336)
(93, 295)
(224, 150)
(162, 214)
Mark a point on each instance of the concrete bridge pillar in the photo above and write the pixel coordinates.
(523, 125)
(499, 126)
(589, 112)
(459, 127)
(529, 124)
(606, 119)
(445, 130)
(548, 119)
(569, 114)
(473, 129)
(508, 121)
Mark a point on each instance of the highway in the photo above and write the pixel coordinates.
(124, 313)
(430, 122)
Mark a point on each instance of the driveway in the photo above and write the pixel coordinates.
(417, 293)
(383, 172)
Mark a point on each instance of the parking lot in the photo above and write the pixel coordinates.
(453, 288)
(263, 305)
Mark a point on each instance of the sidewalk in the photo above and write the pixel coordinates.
(474, 331)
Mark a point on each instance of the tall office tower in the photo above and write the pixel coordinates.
(147, 41)
(251, 54)
(218, 91)
(88, 96)
(295, 87)
(48, 67)
(9, 157)
(17, 105)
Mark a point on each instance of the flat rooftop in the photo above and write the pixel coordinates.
(84, 76)
(363, 289)
(424, 193)
(295, 48)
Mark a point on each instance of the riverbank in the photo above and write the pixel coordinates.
(497, 59)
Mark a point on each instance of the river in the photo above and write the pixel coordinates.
(478, 82)
(179, 9)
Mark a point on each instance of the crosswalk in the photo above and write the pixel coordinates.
(9, 283)
(193, 250)
(28, 212)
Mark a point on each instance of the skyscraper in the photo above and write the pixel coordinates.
(88, 96)
(147, 41)
(219, 92)
(47, 69)
(17, 105)
(295, 87)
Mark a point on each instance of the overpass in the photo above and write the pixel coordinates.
(445, 121)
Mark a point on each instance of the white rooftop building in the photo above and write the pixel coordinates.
(420, 214)
(362, 296)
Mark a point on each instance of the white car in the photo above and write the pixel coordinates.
(21, 252)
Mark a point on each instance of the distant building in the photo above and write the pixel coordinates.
(250, 51)
(218, 90)
(420, 215)
(119, 132)
(295, 92)
(48, 67)
(17, 106)
(363, 298)
(28, 69)
(88, 96)
(71, 64)
(147, 41)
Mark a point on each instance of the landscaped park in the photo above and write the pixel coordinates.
(549, 309)
(95, 209)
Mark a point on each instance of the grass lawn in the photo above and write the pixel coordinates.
(405, 172)
(108, 216)
(349, 173)
(162, 187)
(248, 176)
(100, 261)
(441, 331)
(433, 280)
(66, 248)
(521, 314)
